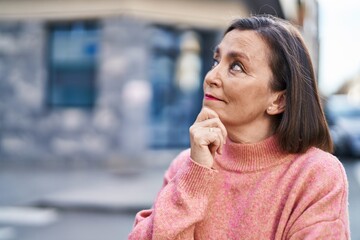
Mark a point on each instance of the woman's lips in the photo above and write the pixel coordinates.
(210, 97)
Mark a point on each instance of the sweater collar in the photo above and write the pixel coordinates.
(252, 157)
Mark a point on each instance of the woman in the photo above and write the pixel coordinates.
(259, 166)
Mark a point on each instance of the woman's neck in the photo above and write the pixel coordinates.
(247, 134)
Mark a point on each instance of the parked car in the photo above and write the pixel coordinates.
(343, 116)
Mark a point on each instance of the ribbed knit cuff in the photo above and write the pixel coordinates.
(196, 179)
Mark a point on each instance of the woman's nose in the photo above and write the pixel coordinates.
(213, 77)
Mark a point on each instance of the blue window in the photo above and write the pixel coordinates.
(179, 61)
(72, 62)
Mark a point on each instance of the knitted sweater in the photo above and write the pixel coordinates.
(254, 191)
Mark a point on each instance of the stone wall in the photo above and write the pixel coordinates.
(113, 131)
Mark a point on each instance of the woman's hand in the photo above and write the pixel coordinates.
(207, 136)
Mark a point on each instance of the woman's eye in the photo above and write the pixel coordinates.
(215, 63)
(237, 67)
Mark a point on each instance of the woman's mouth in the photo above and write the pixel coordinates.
(211, 97)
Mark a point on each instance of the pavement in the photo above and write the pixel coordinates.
(115, 187)
(113, 193)
(67, 203)
(81, 189)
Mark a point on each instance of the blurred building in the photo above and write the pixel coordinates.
(90, 82)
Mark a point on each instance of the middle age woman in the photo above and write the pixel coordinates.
(259, 165)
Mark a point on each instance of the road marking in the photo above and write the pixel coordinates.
(7, 233)
(27, 216)
(357, 171)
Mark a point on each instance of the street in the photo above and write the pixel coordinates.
(38, 223)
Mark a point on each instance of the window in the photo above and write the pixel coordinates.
(179, 61)
(72, 63)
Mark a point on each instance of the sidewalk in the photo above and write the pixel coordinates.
(80, 189)
(43, 204)
(108, 193)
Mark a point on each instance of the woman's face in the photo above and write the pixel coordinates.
(238, 85)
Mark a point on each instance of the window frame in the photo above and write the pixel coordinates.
(90, 69)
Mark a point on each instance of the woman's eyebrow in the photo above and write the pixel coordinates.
(233, 54)
(236, 54)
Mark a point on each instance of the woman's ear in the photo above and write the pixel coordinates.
(278, 103)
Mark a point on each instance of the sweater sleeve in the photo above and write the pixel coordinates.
(322, 213)
(180, 204)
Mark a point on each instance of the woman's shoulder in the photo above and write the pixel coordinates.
(320, 164)
(318, 157)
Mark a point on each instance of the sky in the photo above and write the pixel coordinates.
(339, 30)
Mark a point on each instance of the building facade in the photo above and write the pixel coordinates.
(96, 84)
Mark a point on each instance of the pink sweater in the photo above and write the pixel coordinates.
(255, 191)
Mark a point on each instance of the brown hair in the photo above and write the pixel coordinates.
(302, 124)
